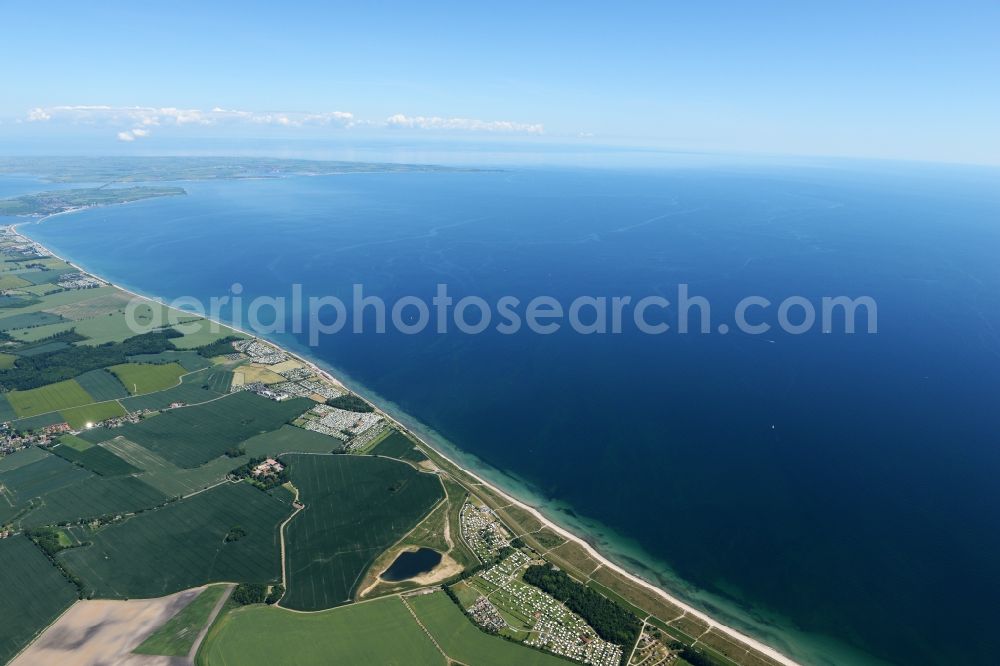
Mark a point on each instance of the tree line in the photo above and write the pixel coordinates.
(257, 593)
(612, 622)
(31, 372)
(220, 347)
(350, 403)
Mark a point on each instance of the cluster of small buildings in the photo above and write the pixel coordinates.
(483, 531)
(321, 388)
(567, 641)
(271, 394)
(260, 352)
(301, 382)
(486, 615)
(295, 374)
(11, 442)
(269, 467)
(307, 387)
(340, 423)
(19, 246)
(292, 388)
(359, 442)
(133, 417)
(56, 428)
(264, 390)
(79, 281)
(556, 628)
(286, 390)
(507, 570)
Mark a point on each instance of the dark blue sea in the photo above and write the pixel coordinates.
(834, 494)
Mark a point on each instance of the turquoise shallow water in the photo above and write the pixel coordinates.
(834, 494)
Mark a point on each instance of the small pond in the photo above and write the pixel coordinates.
(412, 563)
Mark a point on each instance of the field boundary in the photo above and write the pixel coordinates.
(192, 653)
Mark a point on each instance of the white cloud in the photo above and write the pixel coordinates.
(466, 124)
(38, 114)
(133, 134)
(169, 115)
(135, 122)
(141, 118)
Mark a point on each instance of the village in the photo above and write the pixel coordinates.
(549, 624)
(341, 423)
(288, 378)
(483, 531)
(12, 440)
(260, 352)
(79, 281)
(17, 245)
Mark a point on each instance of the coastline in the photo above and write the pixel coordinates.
(318, 366)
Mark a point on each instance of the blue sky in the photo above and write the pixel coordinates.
(908, 80)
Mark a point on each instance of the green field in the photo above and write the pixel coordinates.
(356, 507)
(54, 490)
(289, 439)
(7, 361)
(89, 308)
(93, 497)
(190, 360)
(430, 532)
(12, 282)
(19, 486)
(40, 333)
(202, 336)
(141, 378)
(34, 594)
(176, 637)
(15, 303)
(398, 445)
(194, 388)
(75, 442)
(66, 297)
(102, 385)
(95, 458)
(50, 398)
(41, 289)
(192, 436)
(168, 478)
(40, 421)
(47, 276)
(464, 642)
(39, 349)
(80, 417)
(114, 327)
(377, 632)
(29, 320)
(7, 412)
(21, 458)
(181, 545)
